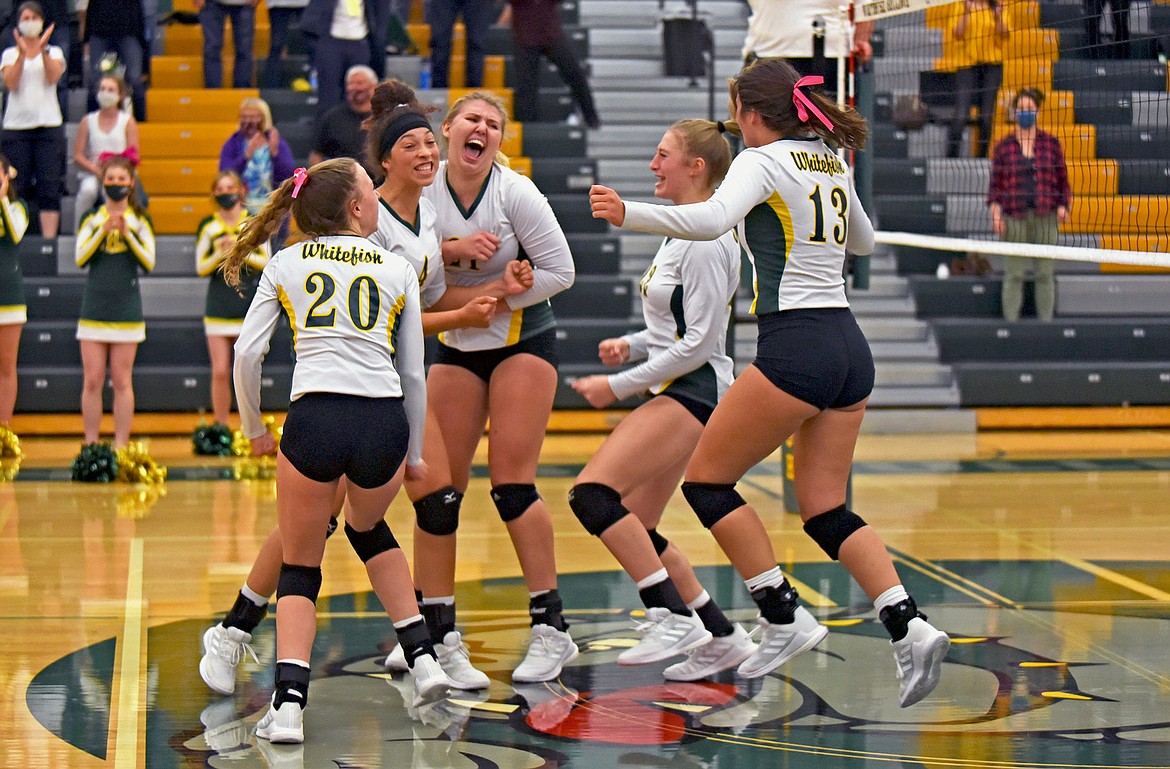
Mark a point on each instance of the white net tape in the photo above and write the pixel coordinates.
(1070, 253)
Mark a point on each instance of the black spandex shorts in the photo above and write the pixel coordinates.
(818, 355)
(699, 410)
(483, 362)
(328, 435)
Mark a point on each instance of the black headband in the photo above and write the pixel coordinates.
(407, 121)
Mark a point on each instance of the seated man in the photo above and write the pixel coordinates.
(339, 131)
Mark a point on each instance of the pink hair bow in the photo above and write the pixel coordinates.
(805, 104)
(130, 153)
(300, 176)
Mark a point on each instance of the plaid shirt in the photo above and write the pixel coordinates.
(1007, 164)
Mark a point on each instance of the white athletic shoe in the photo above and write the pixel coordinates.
(281, 756)
(456, 662)
(780, 643)
(223, 648)
(919, 656)
(665, 635)
(396, 660)
(430, 682)
(548, 651)
(284, 724)
(223, 730)
(549, 704)
(712, 657)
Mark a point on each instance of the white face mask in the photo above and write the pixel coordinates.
(31, 27)
(107, 98)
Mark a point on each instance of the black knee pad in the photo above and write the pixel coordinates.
(331, 528)
(513, 499)
(596, 506)
(304, 581)
(368, 544)
(660, 542)
(438, 512)
(712, 502)
(830, 529)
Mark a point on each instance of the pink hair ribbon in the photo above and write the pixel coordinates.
(300, 176)
(805, 104)
(130, 153)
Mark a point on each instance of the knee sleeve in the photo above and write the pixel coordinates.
(596, 506)
(304, 581)
(368, 544)
(712, 502)
(831, 529)
(438, 512)
(512, 499)
(660, 542)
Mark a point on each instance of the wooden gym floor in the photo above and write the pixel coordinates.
(1046, 554)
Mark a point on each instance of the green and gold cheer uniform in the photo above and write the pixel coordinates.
(13, 223)
(224, 311)
(111, 308)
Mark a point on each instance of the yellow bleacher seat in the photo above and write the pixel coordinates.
(1092, 177)
(178, 214)
(941, 16)
(459, 40)
(181, 105)
(513, 141)
(1119, 214)
(505, 95)
(521, 165)
(184, 140)
(183, 71)
(1155, 243)
(186, 176)
(187, 39)
(420, 34)
(493, 71)
(457, 71)
(1027, 73)
(1033, 43)
(1078, 141)
(1022, 14)
(1057, 109)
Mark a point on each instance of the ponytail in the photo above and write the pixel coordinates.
(257, 230)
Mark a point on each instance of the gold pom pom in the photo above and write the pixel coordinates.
(242, 447)
(136, 503)
(135, 465)
(9, 443)
(9, 467)
(254, 469)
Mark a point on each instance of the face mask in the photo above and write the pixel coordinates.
(107, 98)
(227, 200)
(31, 28)
(117, 192)
(1026, 118)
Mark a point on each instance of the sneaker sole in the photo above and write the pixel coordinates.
(466, 687)
(934, 658)
(521, 679)
(707, 672)
(666, 654)
(430, 694)
(207, 680)
(282, 736)
(822, 631)
(396, 666)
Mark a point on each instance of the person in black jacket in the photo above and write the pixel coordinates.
(344, 40)
(115, 26)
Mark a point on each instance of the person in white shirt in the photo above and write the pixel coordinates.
(212, 15)
(797, 214)
(34, 132)
(346, 33)
(684, 370)
(358, 410)
(109, 130)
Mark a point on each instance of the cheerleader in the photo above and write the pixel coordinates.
(13, 224)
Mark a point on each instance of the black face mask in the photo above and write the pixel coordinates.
(227, 200)
(117, 192)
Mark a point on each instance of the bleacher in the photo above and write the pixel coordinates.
(1108, 342)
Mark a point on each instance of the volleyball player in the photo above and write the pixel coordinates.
(358, 410)
(797, 214)
(686, 302)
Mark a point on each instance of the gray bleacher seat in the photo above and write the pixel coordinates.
(1063, 384)
(300, 135)
(290, 106)
(888, 141)
(1151, 109)
(574, 214)
(596, 253)
(958, 176)
(967, 214)
(173, 297)
(1076, 339)
(558, 176)
(577, 339)
(595, 296)
(1108, 75)
(499, 41)
(1103, 107)
(1132, 143)
(1143, 177)
(899, 176)
(1118, 295)
(38, 256)
(554, 140)
(912, 213)
(53, 298)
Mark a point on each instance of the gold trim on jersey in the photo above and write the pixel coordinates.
(780, 208)
(392, 321)
(282, 297)
(514, 327)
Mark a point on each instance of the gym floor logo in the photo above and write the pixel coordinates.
(999, 703)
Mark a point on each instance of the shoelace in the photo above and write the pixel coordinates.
(235, 653)
(455, 651)
(540, 646)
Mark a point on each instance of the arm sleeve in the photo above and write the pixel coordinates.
(408, 360)
(542, 239)
(140, 239)
(90, 236)
(231, 157)
(705, 291)
(15, 219)
(207, 257)
(639, 344)
(251, 347)
(860, 240)
(747, 184)
(258, 259)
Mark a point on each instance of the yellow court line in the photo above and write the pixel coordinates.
(133, 651)
(1129, 583)
(959, 578)
(943, 579)
(810, 596)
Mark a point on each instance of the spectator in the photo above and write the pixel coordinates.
(282, 14)
(108, 130)
(34, 133)
(536, 25)
(478, 16)
(347, 33)
(116, 27)
(212, 14)
(257, 153)
(809, 34)
(980, 33)
(339, 132)
(1029, 193)
(1119, 15)
(55, 14)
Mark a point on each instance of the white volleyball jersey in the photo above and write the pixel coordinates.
(796, 214)
(686, 302)
(417, 244)
(356, 323)
(510, 207)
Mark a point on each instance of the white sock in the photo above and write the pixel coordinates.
(290, 661)
(891, 597)
(253, 596)
(702, 600)
(653, 579)
(538, 593)
(773, 577)
(408, 621)
(443, 600)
